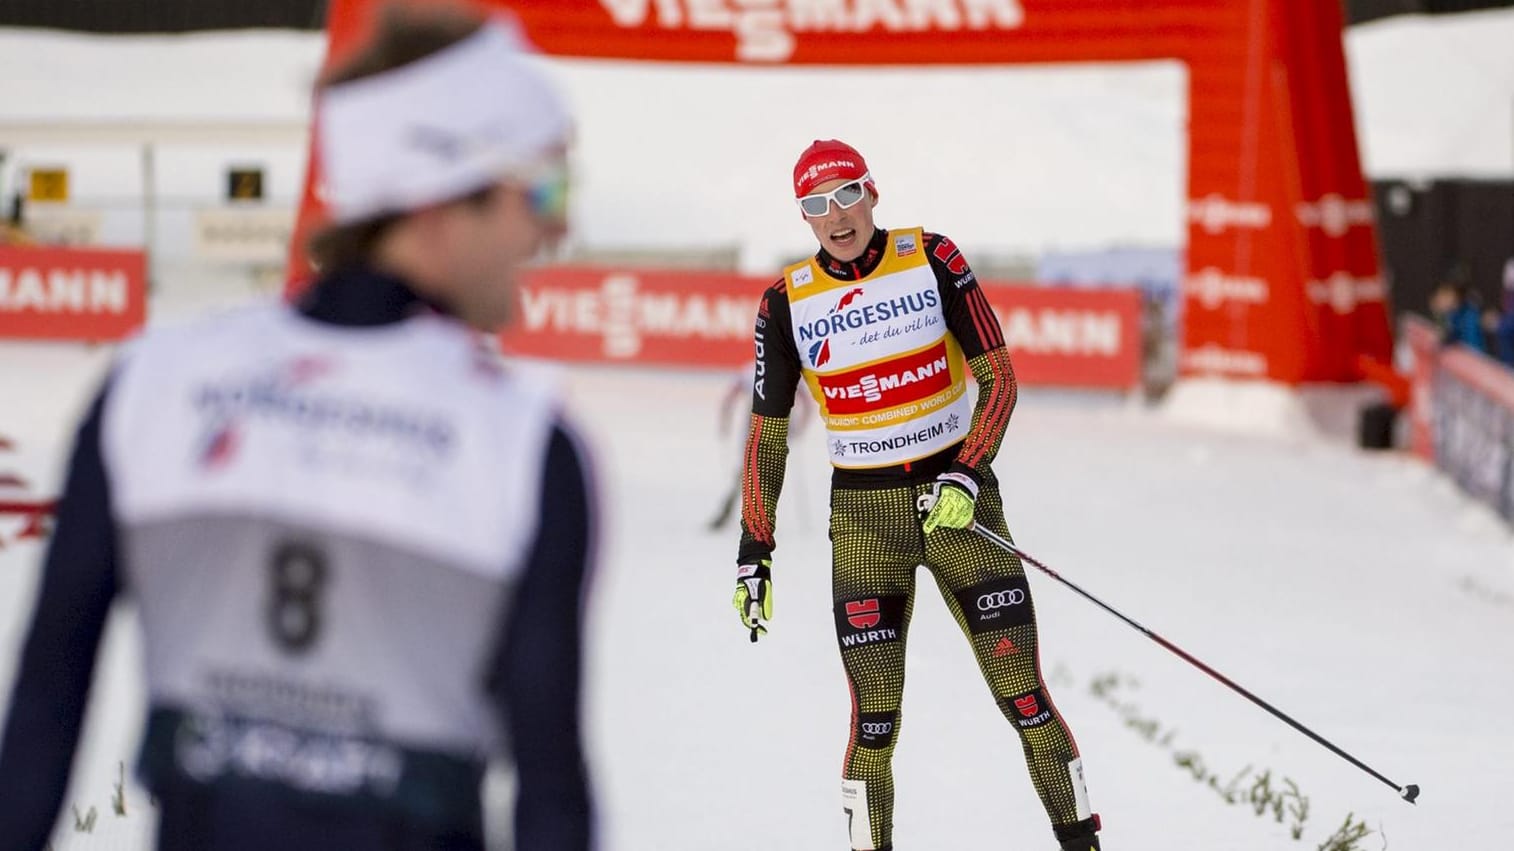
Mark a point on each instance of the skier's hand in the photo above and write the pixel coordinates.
(949, 505)
(754, 595)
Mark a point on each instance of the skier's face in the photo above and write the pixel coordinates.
(844, 233)
(492, 238)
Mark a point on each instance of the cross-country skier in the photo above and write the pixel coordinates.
(878, 325)
(357, 545)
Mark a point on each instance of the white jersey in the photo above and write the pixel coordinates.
(889, 378)
(321, 525)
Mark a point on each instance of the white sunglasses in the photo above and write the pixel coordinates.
(846, 195)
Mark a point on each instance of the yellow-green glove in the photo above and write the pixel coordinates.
(754, 595)
(952, 506)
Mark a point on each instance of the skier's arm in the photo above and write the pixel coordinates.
(775, 379)
(539, 675)
(971, 320)
(58, 657)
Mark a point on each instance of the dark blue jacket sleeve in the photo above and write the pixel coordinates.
(58, 657)
(538, 683)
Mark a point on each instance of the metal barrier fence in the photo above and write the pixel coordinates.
(1462, 415)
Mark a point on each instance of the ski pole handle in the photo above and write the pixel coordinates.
(926, 501)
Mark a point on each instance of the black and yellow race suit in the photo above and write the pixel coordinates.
(880, 341)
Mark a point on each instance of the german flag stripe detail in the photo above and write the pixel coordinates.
(987, 325)
(754, 513)
(995, 416)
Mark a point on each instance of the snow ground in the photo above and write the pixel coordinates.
(1362, 594)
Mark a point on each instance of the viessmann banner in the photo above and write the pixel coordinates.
(71, 294)
(1078, 338)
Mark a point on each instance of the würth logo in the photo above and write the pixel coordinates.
(948, 253)
(1032, 709)
(863, 614)
(869, 620)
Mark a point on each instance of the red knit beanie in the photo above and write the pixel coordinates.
(828, 160)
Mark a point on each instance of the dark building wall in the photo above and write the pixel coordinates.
(122, 16)
(1430, 231)
(1361, 11)
(163, 16)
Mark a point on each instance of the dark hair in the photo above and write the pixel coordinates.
(402, 35)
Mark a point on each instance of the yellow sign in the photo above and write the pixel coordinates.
(244, 184)
(48, 184)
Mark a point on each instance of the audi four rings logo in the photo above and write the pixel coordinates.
(877, 729)
(1000, 599)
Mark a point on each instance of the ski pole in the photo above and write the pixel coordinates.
(1408, 793)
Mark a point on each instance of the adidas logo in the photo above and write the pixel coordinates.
(1004, 647)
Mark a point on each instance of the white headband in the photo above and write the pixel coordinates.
(438, 128)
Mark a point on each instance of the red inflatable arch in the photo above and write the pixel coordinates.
(1282, 275)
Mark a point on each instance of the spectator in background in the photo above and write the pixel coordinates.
(11, 231)
(1158, 369)
(1456, 309)
(1467, 321)
(1503, 334)
(1488, 322)
(1444, 301)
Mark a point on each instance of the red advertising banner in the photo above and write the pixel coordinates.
(1070, 338)
(614, 316)
(1079, 338)
(71, 294)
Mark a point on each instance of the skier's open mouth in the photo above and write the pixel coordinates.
(844, 236)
